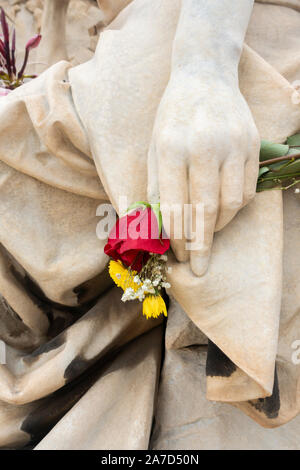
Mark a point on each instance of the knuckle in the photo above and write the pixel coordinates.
(237, 134)
(198, 141)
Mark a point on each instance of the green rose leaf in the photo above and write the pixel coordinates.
(294, 140)
(269, 150)
(265, 185)
(263, 170)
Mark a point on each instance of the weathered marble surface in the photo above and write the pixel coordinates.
(123, 403)
(63, 323)
(201, 424)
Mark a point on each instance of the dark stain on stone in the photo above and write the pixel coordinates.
(57, 325)
(79, 366)
(87, 293)
(11, 319)
(13, 330)
(270, 406)
(76, 367)
(33, 291)
(50, 308)
(45, 348)
(93, 288)
(217, 363)
(80, 376)
(52, 408)
(38, 297)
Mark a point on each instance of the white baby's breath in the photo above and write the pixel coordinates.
(129, 294)
(166, 285)
(150, 280)
(137, 280)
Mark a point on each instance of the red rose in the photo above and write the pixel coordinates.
(135, 236)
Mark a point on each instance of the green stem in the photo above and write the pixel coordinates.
(274, 178)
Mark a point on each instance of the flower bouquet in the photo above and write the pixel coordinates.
(137, 245)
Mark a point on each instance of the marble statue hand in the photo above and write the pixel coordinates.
(205, 151)
(205, 146)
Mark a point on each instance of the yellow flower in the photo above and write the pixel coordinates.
(122, 276)
(153, 306)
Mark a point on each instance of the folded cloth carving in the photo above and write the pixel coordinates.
(79, 136)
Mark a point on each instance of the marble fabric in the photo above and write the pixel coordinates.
(66, 146)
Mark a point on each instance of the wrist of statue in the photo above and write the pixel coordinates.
(212, 71)
(217, 55)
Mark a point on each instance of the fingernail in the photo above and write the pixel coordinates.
(182, 256)
(199, 264)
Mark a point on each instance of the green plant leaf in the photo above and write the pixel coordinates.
(293, 140)
(285, 169)
(263, 170)
(264, 185)
(269, 150)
